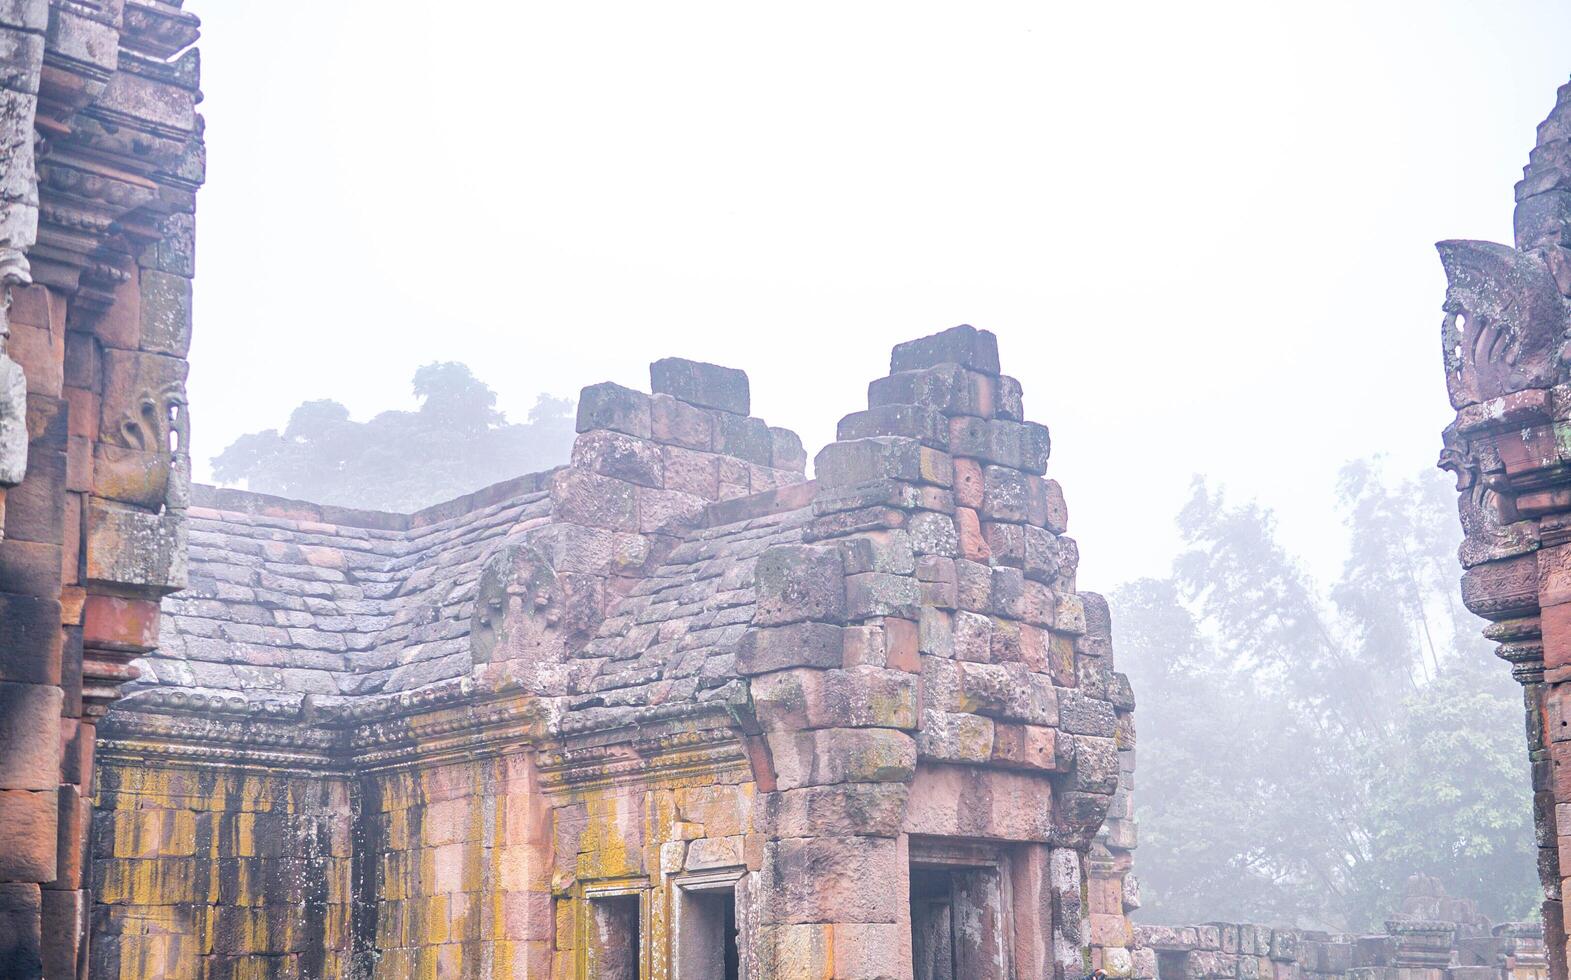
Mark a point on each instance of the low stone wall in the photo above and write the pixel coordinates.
(1408, 950)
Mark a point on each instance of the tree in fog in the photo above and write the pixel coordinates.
(1304, 751)
(455, 442)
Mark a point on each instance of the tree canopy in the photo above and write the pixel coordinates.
(455, 442)
(1302, 750)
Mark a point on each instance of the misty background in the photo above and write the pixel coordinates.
(1203, 234)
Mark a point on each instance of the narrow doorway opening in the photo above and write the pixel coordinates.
(957, 924)
(614, 952)
(706, 932)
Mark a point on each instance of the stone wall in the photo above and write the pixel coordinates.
(100, 159)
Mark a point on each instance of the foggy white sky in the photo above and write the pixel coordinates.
(1202, 231)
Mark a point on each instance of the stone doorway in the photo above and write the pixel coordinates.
(958, 927)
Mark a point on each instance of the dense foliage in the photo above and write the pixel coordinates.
(455, 442)
(1303, 751)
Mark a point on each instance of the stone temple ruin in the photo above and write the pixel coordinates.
(669, 711)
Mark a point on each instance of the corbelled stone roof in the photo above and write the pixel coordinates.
(288, 597)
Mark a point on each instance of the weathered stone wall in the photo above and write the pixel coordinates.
(100, 159)
(203, 872)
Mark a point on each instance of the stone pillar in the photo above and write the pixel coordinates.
(1506, 354)
(100, 158)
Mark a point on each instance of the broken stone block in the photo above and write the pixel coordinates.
(698, 383)
(963, 345)
(611, 406)
(818, 645)
(800, 582)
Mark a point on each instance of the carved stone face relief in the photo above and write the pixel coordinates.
(143, 457)
(1505, 322)
(526, 610)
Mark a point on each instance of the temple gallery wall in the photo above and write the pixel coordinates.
(671, 710)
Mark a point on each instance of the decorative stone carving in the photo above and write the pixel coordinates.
(526, 610)
(1505, 322)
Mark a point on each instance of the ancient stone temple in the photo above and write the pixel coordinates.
(1507, 347)
(668, 711)
(100, 159)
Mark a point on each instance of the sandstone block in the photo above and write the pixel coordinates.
(843, 464)
(1095, 764)
(1006, 495)
(818, 645)
(969, 485)
(878, 551)
(611, 406)
(620, 456)
(963, 345)
(29, 737)
(902, 644)
(135, 547)
(698, 383)
(28, 817)
(1009, 403)
(861, 755)
(744, 437)
(799, 582)
(859, 697)
(872, 950)
(113, 623)
(882, 594)
(952, 736)
(1081, 715)
(668, 510)
(866, 809)
(981, 802)
(926, 425)
(165, 308)
(934, 534)
(946, 388)
(676, 423)
(786, 451)
(973, 637)
(1048, 507)
(864, 646)
(1025, 746)
(592, 500)
(690, 471)
(21, 938)
(833, 879)
(30, 639)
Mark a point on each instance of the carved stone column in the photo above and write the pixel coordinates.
(1505, 340)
